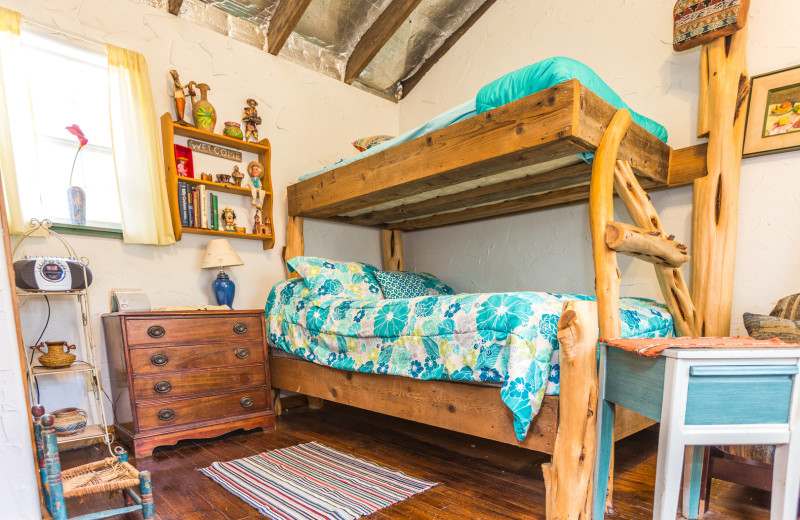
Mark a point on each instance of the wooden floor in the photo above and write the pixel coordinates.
(477, 479)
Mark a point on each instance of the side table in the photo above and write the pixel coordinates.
(704, 396)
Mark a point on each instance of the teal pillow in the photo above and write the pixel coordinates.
(328, 279)
(548, 73)
(403, 284)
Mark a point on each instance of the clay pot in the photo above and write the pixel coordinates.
(224, 178)
(233, 129)
(57, 355)
(69, 421)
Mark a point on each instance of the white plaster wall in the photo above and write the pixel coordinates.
(628, 43)
(309, 119)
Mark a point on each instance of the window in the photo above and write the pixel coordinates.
(68, 83)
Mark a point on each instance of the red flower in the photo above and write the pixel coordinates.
(77, 132)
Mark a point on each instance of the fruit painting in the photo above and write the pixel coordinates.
(783, 111)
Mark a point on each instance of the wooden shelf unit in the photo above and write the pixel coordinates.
(169, 129)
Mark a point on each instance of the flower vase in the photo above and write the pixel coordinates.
(76, 199)
(205, 117)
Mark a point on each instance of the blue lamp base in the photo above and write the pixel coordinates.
(224, 289)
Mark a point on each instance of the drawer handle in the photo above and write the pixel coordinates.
(162, 387)
(240, 328)
(166, 414)
(159, 360)
(242, 353)
(246, 401)
(156, 331)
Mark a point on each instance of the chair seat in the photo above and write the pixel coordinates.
(105, 475)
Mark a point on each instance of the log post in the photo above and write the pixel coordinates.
(670, 280)
(650, 246)
(392, 250)
(716, 196)
(569, 480)
(294, 241)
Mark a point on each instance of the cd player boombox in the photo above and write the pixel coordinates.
(51, 274)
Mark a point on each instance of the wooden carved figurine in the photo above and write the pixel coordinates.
(180, 96)
(251, 119)
(229, 217)
(237, 175)
(259, 228)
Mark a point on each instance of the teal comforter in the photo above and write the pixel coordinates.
(509, 338)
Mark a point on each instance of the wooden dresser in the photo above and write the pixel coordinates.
(187, 375)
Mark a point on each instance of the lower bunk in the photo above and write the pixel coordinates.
(474, 409)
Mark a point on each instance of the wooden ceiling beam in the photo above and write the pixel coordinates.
(287, 16)
(451, 40)
(387, 23)
(174, 6)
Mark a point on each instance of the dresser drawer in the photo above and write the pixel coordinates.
(193, 329)
(195, 409)
(183, 384)
(160, 360)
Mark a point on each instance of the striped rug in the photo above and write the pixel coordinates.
(312, 481)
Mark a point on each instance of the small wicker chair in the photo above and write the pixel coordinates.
(110, 474)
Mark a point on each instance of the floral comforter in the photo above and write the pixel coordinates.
(509, 338)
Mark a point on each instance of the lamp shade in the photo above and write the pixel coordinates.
(219, 253)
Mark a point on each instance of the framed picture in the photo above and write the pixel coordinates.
(183, 161)
(773, 115)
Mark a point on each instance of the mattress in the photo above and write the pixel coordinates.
(508, 338)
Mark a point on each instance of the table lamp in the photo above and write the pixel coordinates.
(219, 253)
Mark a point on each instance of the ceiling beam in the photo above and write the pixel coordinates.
(174, 6)
(411, 81)
(377, 35)
(286, 17)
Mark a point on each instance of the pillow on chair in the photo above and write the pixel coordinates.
(787, 308)
(767, 327)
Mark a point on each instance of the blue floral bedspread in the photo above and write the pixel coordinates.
(509, 338)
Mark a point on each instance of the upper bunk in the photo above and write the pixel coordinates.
(519, 157)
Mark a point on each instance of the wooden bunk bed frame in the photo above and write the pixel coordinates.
(419, 185)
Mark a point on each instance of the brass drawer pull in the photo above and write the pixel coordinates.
(240, 328)
(166, 414)
(156, 331)
(246, 401)
(242, 353)
(162, 387)
(159, 360)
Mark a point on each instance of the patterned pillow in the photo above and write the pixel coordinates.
(767, 327)
(328, 279)
(365, 143)
(402, 284)
(787, 308)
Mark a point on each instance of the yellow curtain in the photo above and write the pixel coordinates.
(15, 105)
(138, 156)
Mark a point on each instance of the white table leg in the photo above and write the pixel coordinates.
(785, 482)
(670, 441)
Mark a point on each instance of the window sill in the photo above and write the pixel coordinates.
(89, 231)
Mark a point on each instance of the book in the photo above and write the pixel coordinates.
(203, 213)
(190, 206)
(215, 212)
(183, 203)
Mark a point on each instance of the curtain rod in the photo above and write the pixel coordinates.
(65, 33)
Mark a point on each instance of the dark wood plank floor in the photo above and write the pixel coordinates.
(477, 479)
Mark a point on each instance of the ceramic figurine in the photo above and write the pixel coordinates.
(181, 167)
(237, 176)
(232, 129)
(180, 96)
(205, 117)
(251, 119)
(258, 227)
(255, 172)
(229, 217)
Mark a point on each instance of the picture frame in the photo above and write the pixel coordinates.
(773, 113)
(183, 161)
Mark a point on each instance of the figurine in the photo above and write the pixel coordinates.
(256, 171)
(259, 228)
(237, 176)
(251, 119)
(180, 96)
(182, 166)
(229, 217)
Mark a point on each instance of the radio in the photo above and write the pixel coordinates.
(51, 274)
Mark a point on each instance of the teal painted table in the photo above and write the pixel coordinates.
(702, 397)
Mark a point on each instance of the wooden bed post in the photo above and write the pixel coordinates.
(294, 241)
(569, 478)
(392, 250)
(723, 76)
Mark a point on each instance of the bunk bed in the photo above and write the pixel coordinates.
(523, 156)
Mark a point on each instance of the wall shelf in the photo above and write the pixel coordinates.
(169, 129)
